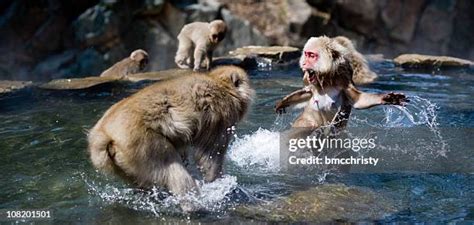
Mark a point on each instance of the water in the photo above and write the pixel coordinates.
(45, 166)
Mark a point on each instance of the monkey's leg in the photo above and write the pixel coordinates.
(210, 158)
(183, 54)
(199, 54)
(208, 60)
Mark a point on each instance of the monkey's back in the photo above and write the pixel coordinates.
(178, 107)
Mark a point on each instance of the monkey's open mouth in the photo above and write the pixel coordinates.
(311, 76)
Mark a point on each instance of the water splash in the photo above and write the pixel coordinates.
(258, 152)
(214, 196)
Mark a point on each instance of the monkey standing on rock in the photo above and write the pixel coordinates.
(331, 93)
(144, 137)
(135, 63)
(197, 41)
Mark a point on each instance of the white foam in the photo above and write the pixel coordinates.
(258, 151)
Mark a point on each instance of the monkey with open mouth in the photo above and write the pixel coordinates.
(330, 92)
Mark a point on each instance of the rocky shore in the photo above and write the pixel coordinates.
(64, 39)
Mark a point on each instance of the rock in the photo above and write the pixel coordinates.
(76, 83)
(298, 20)
(323, 204)
(172, 19)
(158, 76)
(271, 56)
(150, 7)
(241, 33)
(97, 25)
(416, 60)
(203, 12)
(51, 67)
(89, 82)
(90, 61)
(358, 15)
(152, 37)
(8, 86)
(401, 17)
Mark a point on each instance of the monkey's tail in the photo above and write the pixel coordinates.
(99, 146)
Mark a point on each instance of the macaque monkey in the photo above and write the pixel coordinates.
(197, 41)
(331, 92)
(361, 71)
(145, 137)
(135, 63)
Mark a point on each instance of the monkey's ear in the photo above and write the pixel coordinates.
(235, 78)
(338, 50)
(335, 54)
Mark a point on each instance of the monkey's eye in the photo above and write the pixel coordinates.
(215, 36)
(311, 55)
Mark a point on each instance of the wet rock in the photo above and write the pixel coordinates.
(8, 86)
(416, 60)
(76, 83)
(158, 76)
(89, 82)
(269, 56)
(324, 203)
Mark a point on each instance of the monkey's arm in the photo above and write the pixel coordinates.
(362, 100)
(199, 54)
(301, 95)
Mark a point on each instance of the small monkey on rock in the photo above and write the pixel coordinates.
(330, 92)
(197, 42)
(135, 63)
(145, 137)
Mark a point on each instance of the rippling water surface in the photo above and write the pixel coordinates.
(44, 162)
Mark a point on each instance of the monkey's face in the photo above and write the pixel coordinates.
(218, 30)
(321, 57)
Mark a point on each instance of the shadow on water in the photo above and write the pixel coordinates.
(44, 162)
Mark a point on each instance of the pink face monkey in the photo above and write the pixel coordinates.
(330, 92)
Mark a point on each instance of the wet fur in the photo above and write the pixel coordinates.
(145, 137)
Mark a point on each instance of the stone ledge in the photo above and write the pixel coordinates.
(9, 86)
(417, 60)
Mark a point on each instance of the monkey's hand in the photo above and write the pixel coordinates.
(395, 99)
(280, 107)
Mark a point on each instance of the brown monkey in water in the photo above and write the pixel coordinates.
(135, 63)
(197, 42)
(331, 92)
(144, 138)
